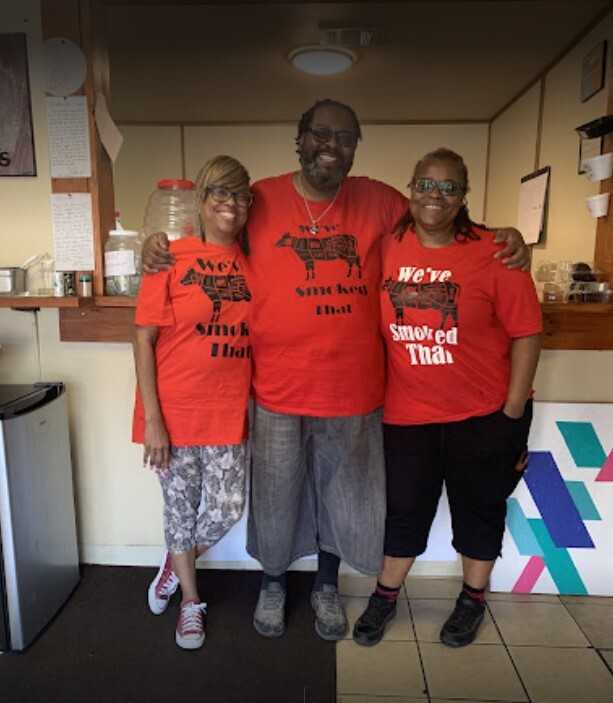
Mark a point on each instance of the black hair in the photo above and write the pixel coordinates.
(307, 117)
(463, 225)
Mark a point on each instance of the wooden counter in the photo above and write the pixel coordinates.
(111, 319)
(34, 302)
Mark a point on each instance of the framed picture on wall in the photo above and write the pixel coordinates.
(16, 136)
(593, 70)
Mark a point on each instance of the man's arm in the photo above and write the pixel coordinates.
(515, 255)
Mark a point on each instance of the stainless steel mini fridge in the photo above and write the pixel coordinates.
(39, 564)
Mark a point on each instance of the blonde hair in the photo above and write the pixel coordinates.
(221, 171)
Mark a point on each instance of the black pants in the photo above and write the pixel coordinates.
(475, 458)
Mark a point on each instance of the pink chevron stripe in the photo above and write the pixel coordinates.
(529, 576)
(606, 473)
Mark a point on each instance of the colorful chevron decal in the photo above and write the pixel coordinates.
(606, 473)
(564, 505)
(583, 444)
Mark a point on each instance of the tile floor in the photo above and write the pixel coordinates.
(530, 649)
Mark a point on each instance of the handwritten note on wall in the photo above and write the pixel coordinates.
(532, 204)
(73, 232)
(69, 137)
(63, 66)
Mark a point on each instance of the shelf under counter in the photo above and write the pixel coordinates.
(566, 325)
(99, 323)
(34, 302)
(109, 319)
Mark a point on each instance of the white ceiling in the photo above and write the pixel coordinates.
(434, 60)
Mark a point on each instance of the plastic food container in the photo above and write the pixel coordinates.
(122, 262)
(171, 208)
(598, 168)
(573, 282)
(589, 292)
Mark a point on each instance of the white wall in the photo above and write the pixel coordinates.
(513, 139)
(571, 229)
(570, 232)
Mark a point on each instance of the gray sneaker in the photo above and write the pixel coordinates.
(330, 618)
(269, 616)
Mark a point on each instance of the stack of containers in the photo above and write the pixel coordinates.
(575, 282)
(598, 168)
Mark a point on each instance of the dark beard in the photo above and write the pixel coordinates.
(324, 178)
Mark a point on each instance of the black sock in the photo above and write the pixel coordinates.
(327, 570)
(476, 594)
(390, 593)
(267, 578)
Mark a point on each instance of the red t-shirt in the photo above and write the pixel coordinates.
(202, 353)
(315, 319)
(448, 317)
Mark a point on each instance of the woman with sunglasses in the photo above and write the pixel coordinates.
(193, 366)
(462, 336)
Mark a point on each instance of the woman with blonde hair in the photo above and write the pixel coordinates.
(193, 367)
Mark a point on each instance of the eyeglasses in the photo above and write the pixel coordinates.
(325, 134)
(446, 187)
(220, 194)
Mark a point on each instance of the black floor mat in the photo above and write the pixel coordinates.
(105, 646)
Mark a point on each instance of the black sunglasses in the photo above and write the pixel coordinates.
(445, 187)
(325, 134)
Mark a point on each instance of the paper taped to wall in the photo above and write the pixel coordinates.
(532, 204)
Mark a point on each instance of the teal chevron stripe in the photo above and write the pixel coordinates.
(558, 561)
(521, 532)
(583, 444)
(583, 500)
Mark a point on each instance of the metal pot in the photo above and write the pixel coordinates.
(12, 281)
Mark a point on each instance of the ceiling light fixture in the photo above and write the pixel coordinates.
(322, 60)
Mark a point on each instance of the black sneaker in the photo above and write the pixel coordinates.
(462, 625)
(370, 626)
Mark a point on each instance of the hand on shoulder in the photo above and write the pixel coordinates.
(515, 254)
(155, 254)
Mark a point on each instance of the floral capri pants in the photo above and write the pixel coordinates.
(204, 494)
